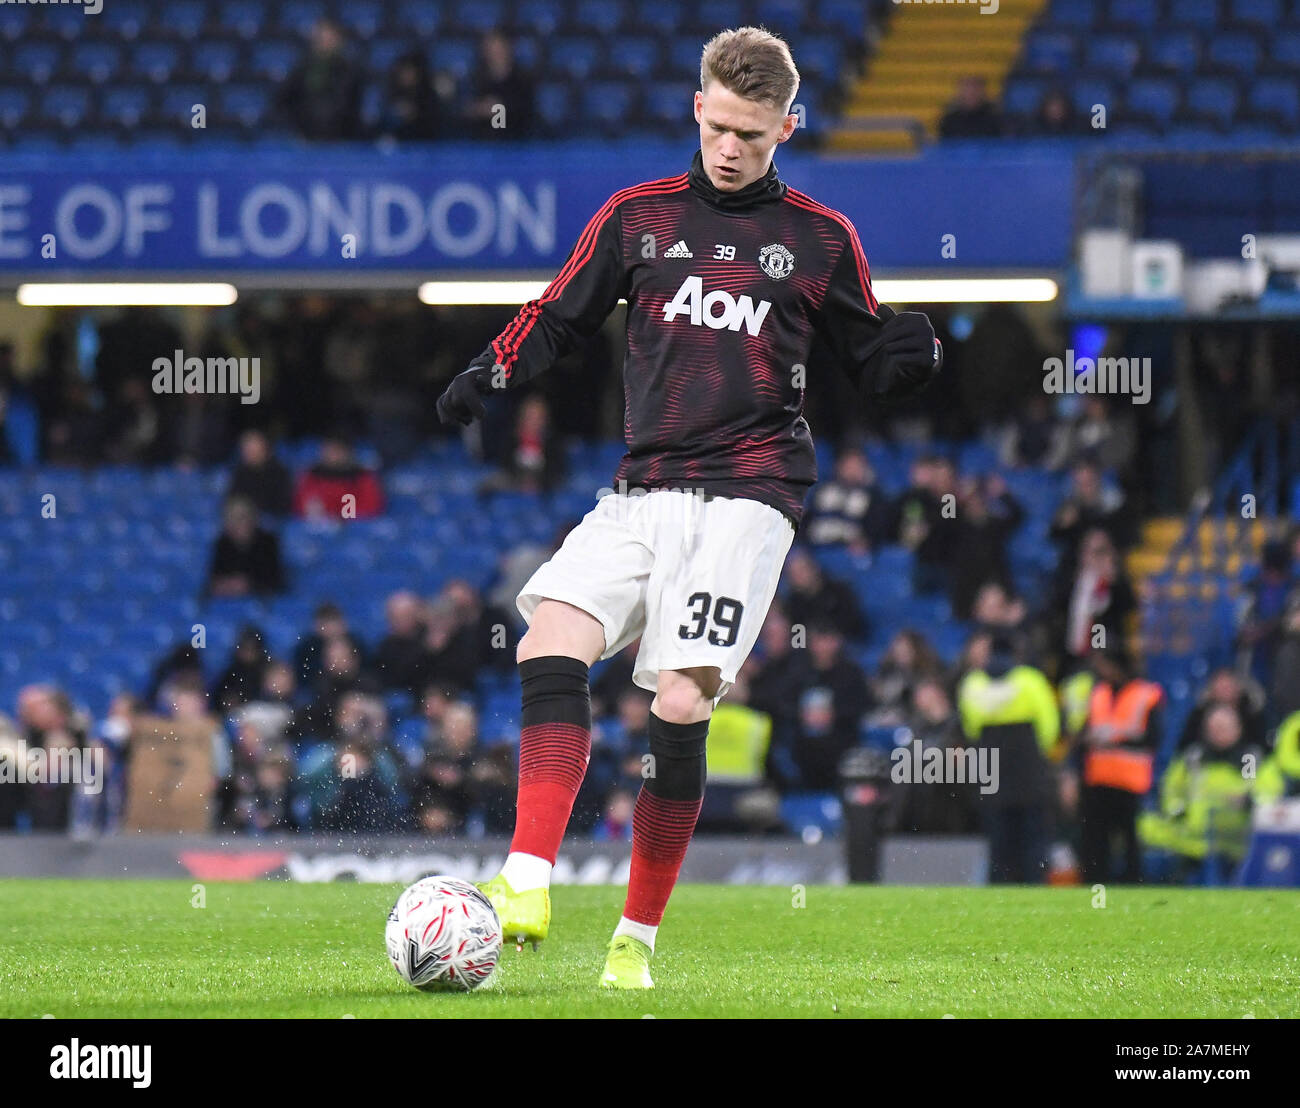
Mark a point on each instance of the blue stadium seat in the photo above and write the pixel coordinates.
(382, 54)
(711, 16)
(1276, 99)
(574, 58)
(245, 19)
(538, 17)
(183, 19)
(1262, 15)
(37, 62)
(1112, 55)
(1238, 53)
(274, 61)
(1176, 51)
(1086, 92)
(683, 58)
(665, 17)
(845, 17)
(155, 61)
(65, 107)
(216, 61)
(126, 106)
(15, 23)
(419, 19)
(1078, 15)
(1284, 50)
(786, 17)
(609, 103)
(362, 19)
(1155, 99)
(298, 17)
(1213, 100)
(125, 20)
(1046, 52)
(597, 17)
(15, 104)
(1133, 14)
(246, 105)
(1194, 13)
(634, 56)
(821, 59)
(458, 56)
(477, 16)
(97, 62)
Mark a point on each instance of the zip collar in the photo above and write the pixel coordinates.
(765, 190)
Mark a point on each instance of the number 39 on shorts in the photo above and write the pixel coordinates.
(725, 612)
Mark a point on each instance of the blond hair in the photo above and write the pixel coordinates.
(753, 63)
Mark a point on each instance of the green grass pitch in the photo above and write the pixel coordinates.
(84, 948)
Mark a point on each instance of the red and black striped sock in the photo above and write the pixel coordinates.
(664, 817)
(554, 748)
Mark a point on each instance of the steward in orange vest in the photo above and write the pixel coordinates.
(1119, 741)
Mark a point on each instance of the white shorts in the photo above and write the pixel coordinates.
(693, 574)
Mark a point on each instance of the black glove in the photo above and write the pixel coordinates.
(911, 351)
(462, 402)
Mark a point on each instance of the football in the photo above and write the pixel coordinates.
(443, 935)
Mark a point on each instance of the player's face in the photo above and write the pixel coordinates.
(737, 136)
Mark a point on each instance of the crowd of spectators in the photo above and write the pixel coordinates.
(322, 98)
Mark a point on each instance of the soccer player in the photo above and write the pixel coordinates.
(727, 274)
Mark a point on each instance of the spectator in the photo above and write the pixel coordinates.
(444, 792)
(133, 436)
(996, 609)
(773, 689)
(1091, 504)
(971, 114)
(503, 100)
(243, 678)
(937, 807)
(1034, 436)
(322, 96)
(737, 798)
(1286, 665)
(413, 106)
(1226, 686)
(908, 659)
(261, 477)
(1119, 741)
(851, 509)
(1096, 599)
(246, 557)
(48, 722)
(1056, 117)
(183, 662)
(616, 824)
(1205, 798)
(434, 702)
(1011, 709)
(814, 596)
(340, 674)
(988, 518)
(927, 521)
(824, 721)
(1260, 633)
(338, 486)
(536, 461)
(402, 661)
(271, 712)
(464, 635)
(1104, 434)
(330, 624)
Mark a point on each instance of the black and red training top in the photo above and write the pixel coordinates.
(724, 292)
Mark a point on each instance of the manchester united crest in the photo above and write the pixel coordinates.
(776, 261)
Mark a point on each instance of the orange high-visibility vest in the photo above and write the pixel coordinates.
(1119, 719)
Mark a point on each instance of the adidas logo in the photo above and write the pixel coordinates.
(679, 249)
